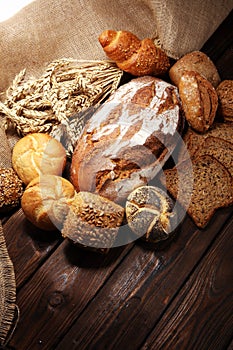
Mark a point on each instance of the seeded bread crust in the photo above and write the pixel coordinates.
(11, 189)
(209, 187)
(93, 221)
(195, 61)
(225, 99)
(218, 148)
(194, 141)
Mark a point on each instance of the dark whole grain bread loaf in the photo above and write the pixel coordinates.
(193, 141)
(128, 139)
(206, 187)
(218, 148)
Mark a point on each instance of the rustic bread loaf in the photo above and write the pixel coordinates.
(206, 187)
(36, 154)
(225, 100)
(199, 99)
(194, 141)
(196, 61)
(46, 201)
(132, 55)
(11, 189)
(93, 221)
(128, 139)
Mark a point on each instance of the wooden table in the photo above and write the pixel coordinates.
(176, 296)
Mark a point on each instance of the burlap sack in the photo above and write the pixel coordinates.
(45, 30)
(7, 275)
(7, 290)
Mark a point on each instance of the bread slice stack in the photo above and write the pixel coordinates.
(204, 184)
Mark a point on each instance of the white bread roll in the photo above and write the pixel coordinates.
(36, 154)
(46, 201)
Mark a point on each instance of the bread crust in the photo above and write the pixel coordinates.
(132, 55)
(46, 200)
(199, 99)
(196, 61)
(126, 142)
(225, 100)
(36, 154)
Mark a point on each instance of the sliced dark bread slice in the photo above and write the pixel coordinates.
(193, 140)
(201, 190)
(218, 148)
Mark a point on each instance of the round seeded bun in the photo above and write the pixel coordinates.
(46, 201)
(150, 214)
(93, 221)
(36, 154)
(11, 189)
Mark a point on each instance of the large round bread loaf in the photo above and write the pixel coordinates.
(128, 139)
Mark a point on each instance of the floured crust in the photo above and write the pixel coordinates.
(128, 139)
(199, 99)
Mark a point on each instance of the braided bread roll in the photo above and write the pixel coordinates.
(132, 55)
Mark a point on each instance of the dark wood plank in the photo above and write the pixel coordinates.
(134, 298)
(201, 315)
(58, 292)
(224, 64)
(220, 40)
(230, 347)
(27, 245)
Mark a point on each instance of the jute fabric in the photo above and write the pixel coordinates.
(49, 29)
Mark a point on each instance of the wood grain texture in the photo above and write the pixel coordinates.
(230, 347)
(134, 298)
(58, 292)
(27, 245)
(220, 40)
(226, 61)
(200, 317)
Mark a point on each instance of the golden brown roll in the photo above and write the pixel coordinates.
(93, 221)
(36, 154)
(225, 100)
(46, 201)
(196, 61)
(132, 55)
(11, 189)
(199, 99)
